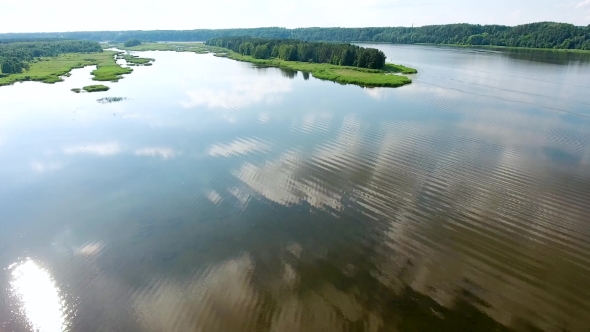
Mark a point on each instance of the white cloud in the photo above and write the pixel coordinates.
(240, 94)
(164, 153)
(100, 149)
(585, 3)
(42, 167)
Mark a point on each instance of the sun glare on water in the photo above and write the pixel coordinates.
(38, 297)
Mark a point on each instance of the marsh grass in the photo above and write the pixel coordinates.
(340, 74)
(136, 60)
(51, 70)
(76, 90)
(96, 88)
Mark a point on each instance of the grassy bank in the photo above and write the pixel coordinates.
(49, 70)
(340, 74)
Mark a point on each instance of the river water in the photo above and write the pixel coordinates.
(222, 197)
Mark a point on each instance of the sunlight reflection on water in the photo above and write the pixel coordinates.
(39, 297)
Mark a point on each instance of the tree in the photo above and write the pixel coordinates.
(6, 68)
(261, 52)
(132, 42)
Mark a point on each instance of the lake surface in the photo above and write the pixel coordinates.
(222, 197)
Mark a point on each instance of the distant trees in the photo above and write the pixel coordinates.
(537, 35)
(132, 42)
(15, 54)
(297, 50)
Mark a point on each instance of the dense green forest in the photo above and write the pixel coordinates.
(536, 35)
(15, 54)
(296, 50)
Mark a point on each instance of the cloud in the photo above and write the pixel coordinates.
(99, 149)
(41, 167)
(242, 94)
(164, 153)
(585, 3)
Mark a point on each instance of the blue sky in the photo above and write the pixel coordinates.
(75, 15)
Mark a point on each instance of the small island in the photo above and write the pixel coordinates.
(342, 63)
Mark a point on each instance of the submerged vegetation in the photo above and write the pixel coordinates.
(297, 50)
(96, 88)
(107, 100)
(536, 35)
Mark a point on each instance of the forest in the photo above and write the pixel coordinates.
(296, 50)
(15, 54)
(534, 35)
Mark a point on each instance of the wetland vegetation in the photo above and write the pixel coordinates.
(108, 100)
(134, 60)
(48, 61)
(96, 88)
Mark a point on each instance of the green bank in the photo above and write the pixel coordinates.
(386, 77)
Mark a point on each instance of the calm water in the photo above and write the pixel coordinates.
(222, 197)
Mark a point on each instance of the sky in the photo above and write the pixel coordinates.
(74, 15)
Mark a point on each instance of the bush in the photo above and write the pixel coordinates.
(132, 42)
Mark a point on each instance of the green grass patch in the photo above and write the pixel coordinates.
(340, 74)
(134, 60)
(51, 70)
(76, 90)
(392, 68)
(96, 88)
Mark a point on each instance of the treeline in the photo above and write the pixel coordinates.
(296, 50)
(15, 54)
(535, 35)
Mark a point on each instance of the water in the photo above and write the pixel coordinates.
(222, 197)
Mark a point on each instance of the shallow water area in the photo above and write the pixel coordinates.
(220, 196)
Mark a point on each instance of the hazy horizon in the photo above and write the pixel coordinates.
(226, 14)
